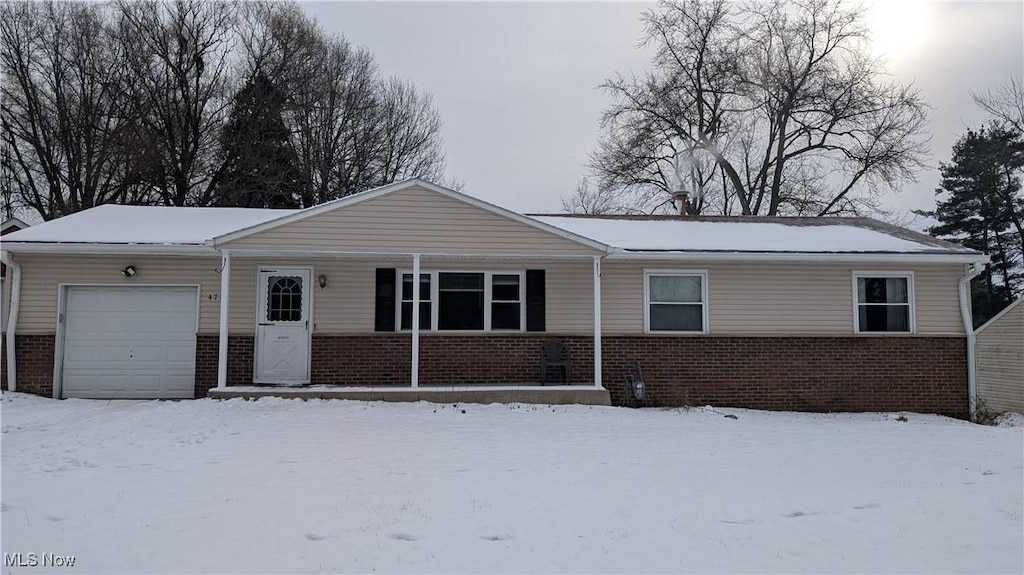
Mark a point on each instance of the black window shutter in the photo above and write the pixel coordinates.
(384, 316)
(535, 301)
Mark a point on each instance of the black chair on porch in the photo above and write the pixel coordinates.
(554, 355)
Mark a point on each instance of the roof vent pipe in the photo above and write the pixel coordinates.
(682, 201)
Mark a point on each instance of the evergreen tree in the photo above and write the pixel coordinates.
(260, 168)
(984, 209)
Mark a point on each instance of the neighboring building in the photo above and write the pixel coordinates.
(823, 314)
(1000, 353)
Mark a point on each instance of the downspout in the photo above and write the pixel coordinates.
(12, 319)
(970, 272)
(598, 373)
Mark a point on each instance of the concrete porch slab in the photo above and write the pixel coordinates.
(547, 395)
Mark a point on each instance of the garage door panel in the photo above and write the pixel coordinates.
(149, 354)
(181, 357)
(151, 382)
(129, 342)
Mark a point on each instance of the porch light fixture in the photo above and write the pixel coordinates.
(321, 280)
(129, 271)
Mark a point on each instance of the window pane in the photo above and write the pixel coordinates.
(461, 281)
(884, 317)
(677, 317)
(460, 310)
(460, 301)
(407, 287)
(896, 290)
(897, 317)
(424, 315)
(284, 298)
(505, 315)
(675, 288)
(505, 287)
(882, 290)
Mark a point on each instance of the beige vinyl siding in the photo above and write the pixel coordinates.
(780, 298)
(744, 299)
(41, 276)
(347, 304)
(412, 220)
(1000, 361)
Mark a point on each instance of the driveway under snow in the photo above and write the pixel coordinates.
(326, 486)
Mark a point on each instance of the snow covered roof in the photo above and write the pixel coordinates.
(166, 229)
(153, 225)
(750, 234)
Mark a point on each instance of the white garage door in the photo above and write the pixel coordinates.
(129, 342)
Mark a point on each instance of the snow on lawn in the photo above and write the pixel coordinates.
(325, 486)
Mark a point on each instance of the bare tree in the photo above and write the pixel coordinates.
(588, 199)
(1005, 103)
(64, 112)
(127, 103)
(176, 71)
(351, 129)
(774, 107)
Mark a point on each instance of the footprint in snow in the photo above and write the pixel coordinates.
(80, 462)
(314, 537)
(402, 537)
(988, 472)
(737, 522)
(495, 537)
(54, 519)
(4, 507)
(867, 506)
(801, 514)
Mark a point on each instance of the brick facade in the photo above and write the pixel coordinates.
(924, 374)
(35, 363)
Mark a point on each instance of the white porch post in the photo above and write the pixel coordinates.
(225, 289)
(415, 319)
(597, 321)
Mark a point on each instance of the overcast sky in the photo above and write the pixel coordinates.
(516, 83)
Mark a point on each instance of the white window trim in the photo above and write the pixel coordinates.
(435, 289)
(703, 297)
(399, 301)
(911, 300)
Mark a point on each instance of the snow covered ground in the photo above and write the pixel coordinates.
(326, 486)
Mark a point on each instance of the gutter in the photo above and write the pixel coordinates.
(970, 272)
(825, 257)
(110, 249)
(12, 319)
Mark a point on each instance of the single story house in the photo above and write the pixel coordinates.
(822, 314)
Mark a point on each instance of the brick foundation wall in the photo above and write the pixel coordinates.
(240, 358)
(499, 359)
(923, 374)
(35, 363)
(385, 359)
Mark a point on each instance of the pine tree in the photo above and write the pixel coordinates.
(984, 211)
(261, 168)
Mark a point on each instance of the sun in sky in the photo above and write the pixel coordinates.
(899, 28)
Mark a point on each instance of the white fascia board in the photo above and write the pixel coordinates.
(347, 201)
(862, 257)
(110, 249)
(250, 253)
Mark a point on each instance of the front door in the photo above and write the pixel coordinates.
(283, 326)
